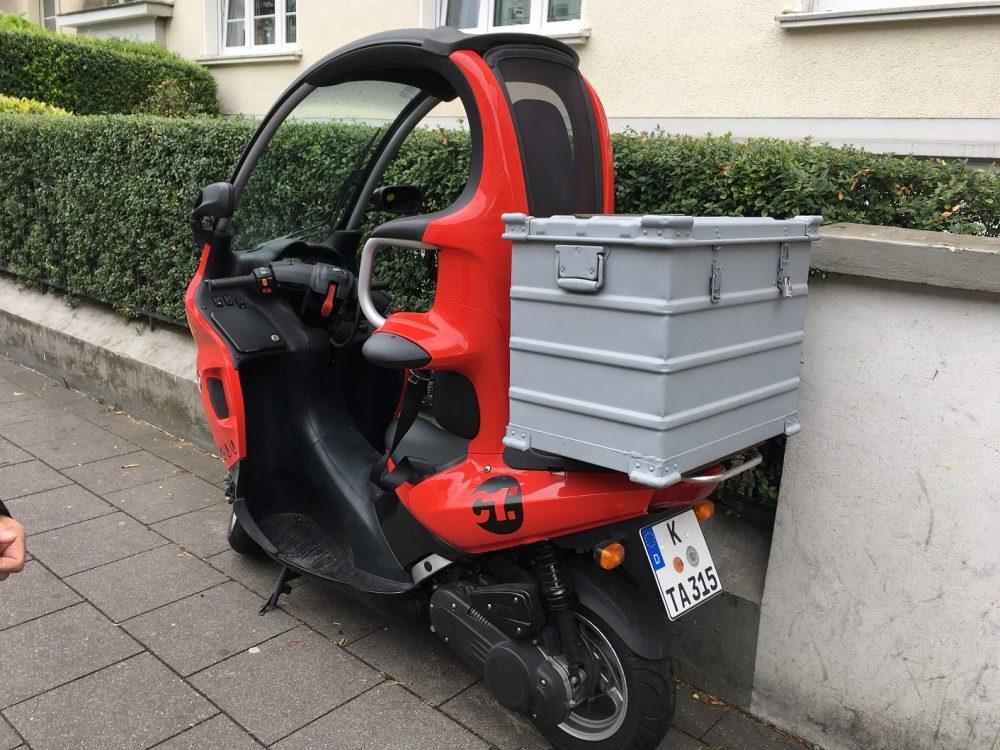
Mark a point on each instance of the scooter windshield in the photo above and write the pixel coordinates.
(303, 183)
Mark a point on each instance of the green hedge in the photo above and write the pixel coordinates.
(98, 204)
(96, 76)
(718, 176)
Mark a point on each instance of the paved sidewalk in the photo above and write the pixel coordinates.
(134, 625)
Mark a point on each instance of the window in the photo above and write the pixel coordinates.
(824, 6)
(314, 162)
(256, 25)
(49, 13)
(556, 134)
(553, 17)
(810, 13)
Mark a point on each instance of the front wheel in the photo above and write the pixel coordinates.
(241, 541)
(634, 701)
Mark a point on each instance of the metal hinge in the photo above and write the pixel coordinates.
(783, 281)
(715, 282)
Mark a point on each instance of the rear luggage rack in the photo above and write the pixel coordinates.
(751, 458)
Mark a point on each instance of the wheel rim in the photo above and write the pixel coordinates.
(601, 716)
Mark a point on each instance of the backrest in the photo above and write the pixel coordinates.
(556, 129)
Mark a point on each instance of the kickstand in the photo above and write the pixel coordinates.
(280, 587)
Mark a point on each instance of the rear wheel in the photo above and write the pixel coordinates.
(240, 540)
(634, 702)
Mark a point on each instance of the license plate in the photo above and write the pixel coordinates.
(681, 562)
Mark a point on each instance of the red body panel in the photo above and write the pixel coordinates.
(214, 361)
(607, 155)
(520, 507)
(483, 505)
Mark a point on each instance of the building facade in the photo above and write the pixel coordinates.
(901, 76)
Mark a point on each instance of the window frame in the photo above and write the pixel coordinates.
(249, 47)
(816, 13)
(539, 25)
(44, 19)
(861, 6)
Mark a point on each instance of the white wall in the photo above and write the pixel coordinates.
(921, 86)
(251, 88)
(880, 623)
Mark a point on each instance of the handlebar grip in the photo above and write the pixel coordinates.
(231, 282)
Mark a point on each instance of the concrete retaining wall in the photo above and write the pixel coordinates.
(149, 374)
(880, 621)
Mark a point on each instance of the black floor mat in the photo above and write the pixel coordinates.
(304, 545)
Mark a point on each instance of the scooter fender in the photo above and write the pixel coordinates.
(629, 612)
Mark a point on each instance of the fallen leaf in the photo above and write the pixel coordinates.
(253, 650)
(131, 466)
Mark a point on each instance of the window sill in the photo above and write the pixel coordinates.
(579, 36)
(888, 15)
(574, 36)
(115, 13)
(278, 56)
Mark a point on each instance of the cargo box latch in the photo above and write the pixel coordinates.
(783, 280)
(580, 268)
(715, 283)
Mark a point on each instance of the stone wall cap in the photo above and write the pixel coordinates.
(957, 261)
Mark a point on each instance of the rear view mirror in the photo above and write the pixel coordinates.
(397, 199)
(215, 201)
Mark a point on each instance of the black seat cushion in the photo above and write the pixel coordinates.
(427, 445)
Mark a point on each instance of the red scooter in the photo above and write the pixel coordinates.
(536, 569)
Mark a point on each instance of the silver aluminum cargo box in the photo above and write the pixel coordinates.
(654, 345)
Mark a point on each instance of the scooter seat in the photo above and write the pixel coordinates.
(427, 445)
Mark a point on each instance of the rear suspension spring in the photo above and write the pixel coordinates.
(553, 583)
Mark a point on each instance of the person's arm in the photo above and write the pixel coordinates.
(11, 544)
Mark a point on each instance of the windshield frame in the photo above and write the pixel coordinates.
(357, 181)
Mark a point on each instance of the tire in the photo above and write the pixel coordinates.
(647, 708)
(240, 541)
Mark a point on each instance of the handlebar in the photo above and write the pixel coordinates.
(317, 276)
(231, 282)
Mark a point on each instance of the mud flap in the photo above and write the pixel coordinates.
(638, 621)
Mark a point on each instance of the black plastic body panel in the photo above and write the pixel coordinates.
(390, 350)
(629, 601)
(432, 446)
(244, 327)
(637, 619)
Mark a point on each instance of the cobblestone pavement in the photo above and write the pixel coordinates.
(134, 625)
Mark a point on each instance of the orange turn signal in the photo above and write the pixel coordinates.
(704, 510)
(610, 555)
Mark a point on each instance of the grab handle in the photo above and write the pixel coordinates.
(752, 459)
(366, 266)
